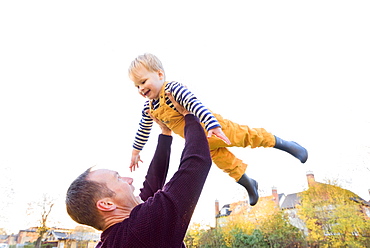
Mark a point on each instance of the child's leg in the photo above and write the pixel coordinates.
(226, 161)
(243, 136)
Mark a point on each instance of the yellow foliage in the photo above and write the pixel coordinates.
(195, 233)
(331, 216)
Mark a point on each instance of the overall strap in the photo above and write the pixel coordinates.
(162, 97)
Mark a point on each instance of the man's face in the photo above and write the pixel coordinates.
(121, 186)
(149, 84)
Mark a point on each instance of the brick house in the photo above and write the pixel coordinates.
(287, 203)
(26, 236)
(68, 239)
(55, 237)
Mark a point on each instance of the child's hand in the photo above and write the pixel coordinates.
(135, 159)
(219, 133)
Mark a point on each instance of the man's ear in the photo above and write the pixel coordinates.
(106, 205)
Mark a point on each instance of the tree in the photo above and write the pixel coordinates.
(254, 240)
(242, 226)
(279, 232)
(241, 222)
(43, 207)
(212, 238)
(193, 235)
(332, 218)
(196, 237)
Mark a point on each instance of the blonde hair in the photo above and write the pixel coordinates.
(149, 61)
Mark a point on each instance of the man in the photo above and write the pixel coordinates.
(105, 200)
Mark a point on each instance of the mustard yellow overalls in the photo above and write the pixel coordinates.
(239, 136)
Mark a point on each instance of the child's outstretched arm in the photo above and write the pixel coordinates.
(135, 158)
(190, 102)
(141, 137)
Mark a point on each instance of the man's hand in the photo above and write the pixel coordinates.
(220, 134)
(178, 106)
(135, 159)
(165, 129)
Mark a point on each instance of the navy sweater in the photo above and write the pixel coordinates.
(162, 220)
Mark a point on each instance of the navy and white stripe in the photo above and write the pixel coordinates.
(145, 126)
(184, 97)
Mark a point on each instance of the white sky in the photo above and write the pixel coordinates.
(298, 69)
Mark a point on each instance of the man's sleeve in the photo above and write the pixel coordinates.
(158, 168)
(162, 220)
(187, 183)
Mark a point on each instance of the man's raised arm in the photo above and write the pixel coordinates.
(157, 172)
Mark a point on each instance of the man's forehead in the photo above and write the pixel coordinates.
(101, 174)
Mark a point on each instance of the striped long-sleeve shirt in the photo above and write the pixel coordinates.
(184, 97)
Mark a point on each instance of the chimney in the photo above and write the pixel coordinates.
(217, 212)
(310, 178)
(217, 208)
(275, 196)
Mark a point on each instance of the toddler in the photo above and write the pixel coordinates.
(148, 75)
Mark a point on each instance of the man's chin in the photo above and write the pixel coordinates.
(139, 199)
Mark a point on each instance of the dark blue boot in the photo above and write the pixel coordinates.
(292, 148)
(251, 186)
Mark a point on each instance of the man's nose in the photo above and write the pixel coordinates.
(129, 180)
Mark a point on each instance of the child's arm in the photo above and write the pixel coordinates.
(141, 137)
(190, 102)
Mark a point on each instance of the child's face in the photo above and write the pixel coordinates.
(149, 84)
